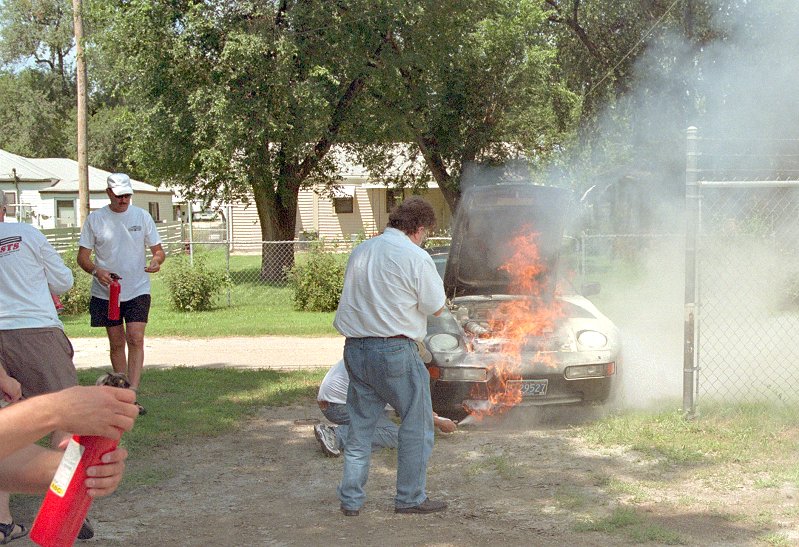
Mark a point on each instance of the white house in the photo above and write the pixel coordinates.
(359, 208)
(44, 192)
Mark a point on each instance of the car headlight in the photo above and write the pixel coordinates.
(592, 339)
(443, 342)
(590, 371)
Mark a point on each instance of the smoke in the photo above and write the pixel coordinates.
(737, 85)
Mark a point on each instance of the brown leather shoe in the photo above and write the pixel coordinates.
(350, 512)
(427, 506)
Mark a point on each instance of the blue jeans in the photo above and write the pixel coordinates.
(385, 431)
(386, 370)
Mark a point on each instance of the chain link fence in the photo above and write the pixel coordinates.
(742, 282)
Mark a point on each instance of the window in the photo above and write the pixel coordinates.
(343, 205)
(65, 213)
(344, 199)
(11, 199)
(393, 198)
(152, 206)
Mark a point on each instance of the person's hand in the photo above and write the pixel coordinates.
(103, 479)
(103, 276)
(153, 267)
(96, 410)
(444, 424)
(10, 388)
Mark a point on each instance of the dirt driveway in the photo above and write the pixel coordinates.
(523, 480)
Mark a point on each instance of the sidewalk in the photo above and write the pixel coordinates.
(273, 352)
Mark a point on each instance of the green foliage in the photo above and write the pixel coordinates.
(317, 282)
(193, 287)
(76, 299)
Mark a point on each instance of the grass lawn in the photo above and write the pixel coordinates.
(256, 309)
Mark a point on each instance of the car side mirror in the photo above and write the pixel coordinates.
(590, 289)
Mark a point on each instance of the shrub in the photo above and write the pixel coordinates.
(317, 282)
(193, 287)
(76, 299)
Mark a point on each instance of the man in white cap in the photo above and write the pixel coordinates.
(118, 234)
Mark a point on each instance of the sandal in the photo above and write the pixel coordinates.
(8, 532)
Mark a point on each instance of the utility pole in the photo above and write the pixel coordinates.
(83, 149)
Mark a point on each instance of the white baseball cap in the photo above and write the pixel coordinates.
(119, 183)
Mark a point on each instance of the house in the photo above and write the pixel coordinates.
(358, 208)
(44, 192)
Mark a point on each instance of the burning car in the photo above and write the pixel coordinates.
(514, 331)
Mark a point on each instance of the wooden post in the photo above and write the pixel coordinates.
(83, 150)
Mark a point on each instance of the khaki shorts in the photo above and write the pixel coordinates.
(39, 359)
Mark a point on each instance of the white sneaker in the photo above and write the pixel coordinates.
(326, 436)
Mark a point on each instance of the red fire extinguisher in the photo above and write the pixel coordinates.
(113, 297)
(67, 502)
(59, 307)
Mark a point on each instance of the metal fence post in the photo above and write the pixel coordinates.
(691, 305)
(227, 256)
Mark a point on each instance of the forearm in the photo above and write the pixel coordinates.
(159, 254)
(29, 470)
(85, 260)
(26, 422)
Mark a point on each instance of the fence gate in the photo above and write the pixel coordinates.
(742, 278)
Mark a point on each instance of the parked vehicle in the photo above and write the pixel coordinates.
(514, 331)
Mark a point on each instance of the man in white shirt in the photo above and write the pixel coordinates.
(332, 400)
(34, 351)
(390, 287)
(118, 234)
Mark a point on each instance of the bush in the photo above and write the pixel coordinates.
(192, 288)
(76, 299)
(317, 283)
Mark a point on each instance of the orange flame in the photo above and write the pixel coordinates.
(516, 321)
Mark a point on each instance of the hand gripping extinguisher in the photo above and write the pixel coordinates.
(113, 297)
(67, 502)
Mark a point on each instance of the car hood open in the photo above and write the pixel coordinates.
(488, 219)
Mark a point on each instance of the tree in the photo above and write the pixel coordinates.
(31, 122)
(237, 99)
(37, 83)
(478, 91)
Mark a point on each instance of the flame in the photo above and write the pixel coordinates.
(516, 321)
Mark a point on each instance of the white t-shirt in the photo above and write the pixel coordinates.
(334, 385)
(119, 241)
(30, 269)
(390, 287)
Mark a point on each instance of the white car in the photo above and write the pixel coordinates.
(514, 332)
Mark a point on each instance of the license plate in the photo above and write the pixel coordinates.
(532, 388)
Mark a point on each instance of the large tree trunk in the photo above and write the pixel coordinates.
(277, 212)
